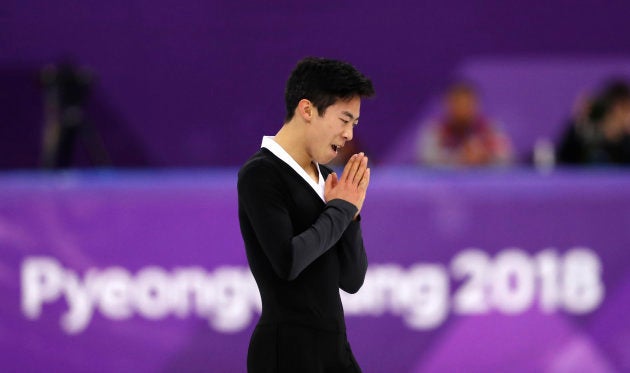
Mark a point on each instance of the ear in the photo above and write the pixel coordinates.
(306, 110)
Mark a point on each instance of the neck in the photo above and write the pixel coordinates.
(291, 138)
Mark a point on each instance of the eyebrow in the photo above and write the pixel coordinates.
(349, 115)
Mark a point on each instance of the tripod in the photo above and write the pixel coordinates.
(66, 88)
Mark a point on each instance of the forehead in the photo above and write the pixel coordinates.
(351, 106)
(461, 95)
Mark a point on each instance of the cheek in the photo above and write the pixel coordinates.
(318, 141)
(326, 131)
(336, 130)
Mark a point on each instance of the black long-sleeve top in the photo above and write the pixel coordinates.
(301, 250)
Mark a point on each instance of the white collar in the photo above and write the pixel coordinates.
(270, 144)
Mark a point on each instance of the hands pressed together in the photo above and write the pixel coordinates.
(353, 183)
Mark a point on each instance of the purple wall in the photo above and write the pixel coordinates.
(198, 83)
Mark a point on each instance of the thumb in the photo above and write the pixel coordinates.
(333, 176)
(329, 183)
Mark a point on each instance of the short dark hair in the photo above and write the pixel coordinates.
(324, 81)
(615, 91)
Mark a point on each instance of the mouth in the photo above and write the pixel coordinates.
(336, 148)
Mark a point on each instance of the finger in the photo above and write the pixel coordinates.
(328, 185)
(365, 181)
(360, 171)
(353, 169)
(335, 181)
(346, 170)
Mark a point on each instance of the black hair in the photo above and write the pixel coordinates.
(324, 81)
(614, 92)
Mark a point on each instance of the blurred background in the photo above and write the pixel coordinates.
(496, 227)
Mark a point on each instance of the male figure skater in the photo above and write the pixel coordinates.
(300, 223)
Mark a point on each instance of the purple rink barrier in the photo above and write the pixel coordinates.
(477, 271)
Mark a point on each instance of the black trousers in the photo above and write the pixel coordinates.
(290, 348)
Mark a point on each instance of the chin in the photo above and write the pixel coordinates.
(325, 160)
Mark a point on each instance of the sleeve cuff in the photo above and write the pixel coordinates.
(348, 208)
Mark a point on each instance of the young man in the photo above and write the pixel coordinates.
(300, 223)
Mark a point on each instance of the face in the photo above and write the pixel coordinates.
(461, 106)
(327, 134)
(624, 114)
(619, 116)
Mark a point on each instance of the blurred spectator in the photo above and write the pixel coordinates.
(66, 90)
(580, 133)
(599, 133)
(463, 136)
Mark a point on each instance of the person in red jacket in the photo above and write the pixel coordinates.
(463, 136)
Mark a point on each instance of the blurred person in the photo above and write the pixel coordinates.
(463, 136)
(580, 132)
(602, 136)
(66, 92)
(301, 223)
(613, 143)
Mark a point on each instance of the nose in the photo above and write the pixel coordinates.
(347, 134)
